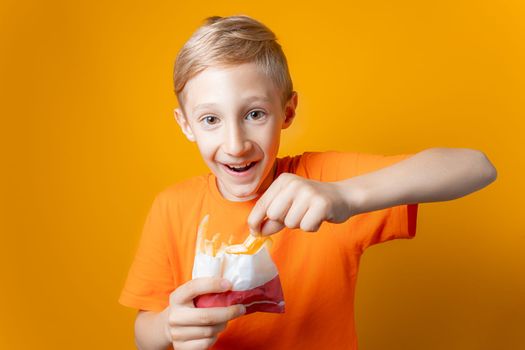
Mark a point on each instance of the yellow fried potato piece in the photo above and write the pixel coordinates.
(250, 246)
(200, 246)
(214, 246)
(215, 243)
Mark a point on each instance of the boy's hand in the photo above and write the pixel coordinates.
(296, 202)
(188, 327)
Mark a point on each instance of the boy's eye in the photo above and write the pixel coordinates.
(210, 120)
(256, 115)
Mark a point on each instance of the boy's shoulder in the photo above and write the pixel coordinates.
(318, 165)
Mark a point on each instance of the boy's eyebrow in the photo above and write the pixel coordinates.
(203, 105)
(248, 99)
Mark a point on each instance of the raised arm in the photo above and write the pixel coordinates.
(432, 175)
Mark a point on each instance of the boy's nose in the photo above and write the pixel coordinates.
(236, 143)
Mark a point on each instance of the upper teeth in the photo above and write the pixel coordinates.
(240, 166)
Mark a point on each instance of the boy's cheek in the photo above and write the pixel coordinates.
(205, 149)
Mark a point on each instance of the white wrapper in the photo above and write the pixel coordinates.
(243, 270)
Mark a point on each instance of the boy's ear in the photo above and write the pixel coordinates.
(289, 110)
(184, 125)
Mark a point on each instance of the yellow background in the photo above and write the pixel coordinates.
(87, 138)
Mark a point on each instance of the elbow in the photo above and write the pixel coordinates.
(478, 162)
(487, 170)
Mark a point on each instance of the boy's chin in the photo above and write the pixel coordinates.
(240, 193)
(244, 195)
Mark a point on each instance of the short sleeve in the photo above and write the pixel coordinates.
(337, 165)
(367, 229)
(150, 278)
(326, 166)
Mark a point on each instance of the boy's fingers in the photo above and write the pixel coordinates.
(203, 343)
(207, 316)
(281, 203)
(312, 219)
(255, 218)
(270, 227)
(185, 333)
(198, 286)
(296, 213)
(258, 212)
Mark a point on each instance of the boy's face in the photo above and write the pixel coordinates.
(235, 115)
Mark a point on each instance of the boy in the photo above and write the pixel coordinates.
(235, 96)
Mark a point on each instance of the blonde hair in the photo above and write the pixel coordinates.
(227, 41)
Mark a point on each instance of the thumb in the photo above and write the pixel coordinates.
(269, 227)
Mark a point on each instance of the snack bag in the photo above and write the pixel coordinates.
(248, 266)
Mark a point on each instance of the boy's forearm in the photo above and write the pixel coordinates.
(150, 331)
(432, 175)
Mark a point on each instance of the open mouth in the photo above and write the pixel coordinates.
(240, 168)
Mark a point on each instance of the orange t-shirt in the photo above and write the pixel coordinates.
(318, 271)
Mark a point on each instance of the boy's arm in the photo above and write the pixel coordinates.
(435, 174)
(432, 175)
(150, 330)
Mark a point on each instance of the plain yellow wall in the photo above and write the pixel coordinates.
(87, 138)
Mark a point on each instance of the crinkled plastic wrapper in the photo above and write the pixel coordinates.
(248, 266)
